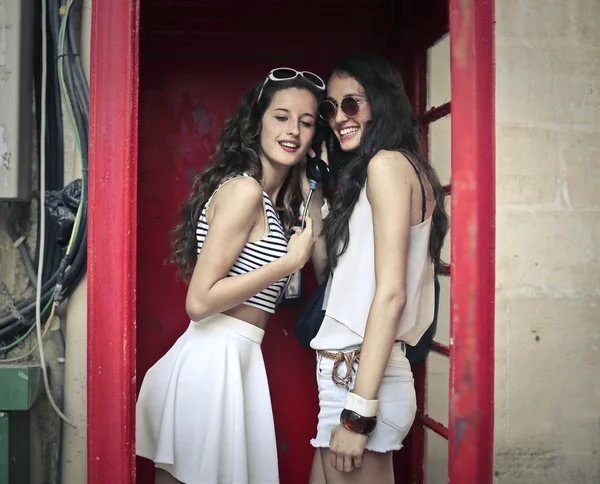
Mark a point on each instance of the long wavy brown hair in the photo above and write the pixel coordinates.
(393, 127)
(237, 152)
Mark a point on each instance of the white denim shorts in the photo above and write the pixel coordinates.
(397, 402)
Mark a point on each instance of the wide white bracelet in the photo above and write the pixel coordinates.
(362, 406)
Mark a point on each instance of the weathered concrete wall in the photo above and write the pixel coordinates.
(45, 425)
(548, 234)
(547, 426)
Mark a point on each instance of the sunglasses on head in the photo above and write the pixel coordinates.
(287, 74)
(350, 107)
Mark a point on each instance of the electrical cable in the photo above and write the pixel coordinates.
(20, 242)
(27, 308)
(35, 347)
(38, 308)
(26, 334)
(54, 139)
(73, 87)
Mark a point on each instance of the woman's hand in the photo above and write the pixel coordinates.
(319, 257)
(324, 155)
(346, 449)
(312, 154)
(302, 244)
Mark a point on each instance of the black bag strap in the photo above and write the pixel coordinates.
(418, 173)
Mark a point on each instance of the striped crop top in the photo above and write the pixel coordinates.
(255, 254)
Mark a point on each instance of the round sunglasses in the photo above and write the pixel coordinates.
(350, 107)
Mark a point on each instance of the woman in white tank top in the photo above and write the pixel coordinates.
(380, 243)
(204, 412)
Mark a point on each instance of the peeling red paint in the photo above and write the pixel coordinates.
(112, 269)
(471, 417)
(111, 242)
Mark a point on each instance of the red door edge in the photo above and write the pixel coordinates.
(112, 241)
(471, 409)
(112, 235)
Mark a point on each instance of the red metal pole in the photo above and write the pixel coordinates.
(471, 415)
(420, 93)
(418, 432)
(112, 241)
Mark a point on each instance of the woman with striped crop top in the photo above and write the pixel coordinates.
(204, 411)
(383, 230)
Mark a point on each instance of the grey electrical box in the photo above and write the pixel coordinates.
(16, 98)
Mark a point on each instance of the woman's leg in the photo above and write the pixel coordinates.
(163, 477)
(317, 474)
(376, 467)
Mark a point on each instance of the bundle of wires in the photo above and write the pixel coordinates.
(59, 75)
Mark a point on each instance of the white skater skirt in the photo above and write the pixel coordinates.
(204, 410)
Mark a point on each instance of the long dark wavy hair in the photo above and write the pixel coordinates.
(393, 127)
(238, 151)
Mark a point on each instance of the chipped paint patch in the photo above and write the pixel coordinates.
(4, 77)
(4, 159)
(3, 28)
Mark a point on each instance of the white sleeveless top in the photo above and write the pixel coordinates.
(351, 288)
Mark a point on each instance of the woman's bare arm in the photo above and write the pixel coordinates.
(236, 210)
(389, 193)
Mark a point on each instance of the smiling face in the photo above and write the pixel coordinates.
(288, 126)
(348, 130)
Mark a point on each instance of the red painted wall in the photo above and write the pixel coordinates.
(181, 105)
(194, 67)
